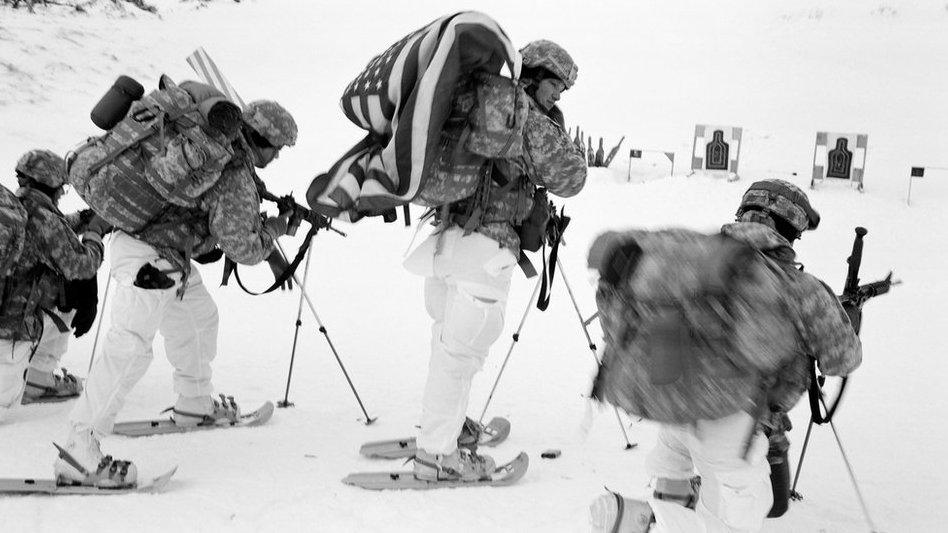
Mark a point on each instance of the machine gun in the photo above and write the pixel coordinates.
(854, 294)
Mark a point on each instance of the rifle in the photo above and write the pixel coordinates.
(854, 295)
(300, 213)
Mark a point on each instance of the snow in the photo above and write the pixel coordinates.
(649, 72)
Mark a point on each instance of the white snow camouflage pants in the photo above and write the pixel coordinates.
(188, 325)
(52, 345)
(735, 494)
(15, 357)
(467, 279)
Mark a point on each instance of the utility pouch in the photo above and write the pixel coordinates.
(496, 121)
(532, 231)
(149, 277)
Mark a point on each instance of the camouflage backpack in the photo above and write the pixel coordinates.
(695, 325)
(488, 113)
(13, 219)
(168, 151)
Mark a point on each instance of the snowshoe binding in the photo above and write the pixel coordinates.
(204, 411)
(47, 387)
(81, 463)
(462, 465)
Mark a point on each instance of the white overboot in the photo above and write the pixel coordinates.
(191, 411)
(81, 462)
(611, 513)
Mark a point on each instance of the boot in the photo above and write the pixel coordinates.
(204, 410)
(611, 513)
(49, 387)
(462, 464)
(81, 462)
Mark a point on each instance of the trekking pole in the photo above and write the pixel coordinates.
(98, 328)
(852, 475)
(806, 441)
(322, 329)
(592, 347)
(296, 333)
(516, 338)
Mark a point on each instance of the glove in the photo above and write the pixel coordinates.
(83, 296)
(99, 225)
(855, 315)
(279, 265)
(209, 257)
(286, 205)
(79, 220)
(277, 225)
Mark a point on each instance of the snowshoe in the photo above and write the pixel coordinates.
(82, 463)
(462, 465)
(49, 387)
(204, 411)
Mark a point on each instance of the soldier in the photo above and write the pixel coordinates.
(156, 289)
(735, 492)
(468, 271)
(52, 255)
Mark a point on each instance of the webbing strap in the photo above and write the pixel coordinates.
(815, 393)
(546, 285)
(231, 267)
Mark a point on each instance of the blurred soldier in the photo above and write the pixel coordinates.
(53, 257)
(733, 492)
(158, 290)
(468, 264)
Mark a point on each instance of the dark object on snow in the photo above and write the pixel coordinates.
(550, 454)
(115, 103)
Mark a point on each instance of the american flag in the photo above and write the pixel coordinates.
(206, 68)
(402, 99)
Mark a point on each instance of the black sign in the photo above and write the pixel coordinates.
(636, 154)
(918, 172)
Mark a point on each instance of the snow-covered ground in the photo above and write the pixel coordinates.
(649, 71)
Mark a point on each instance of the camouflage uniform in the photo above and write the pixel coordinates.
(51, 254)
(827, 334)
(228, 217)
(552, 161)
(468, 274)
(735, 492)
(181, 307)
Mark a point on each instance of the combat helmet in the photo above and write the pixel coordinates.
(43, 167)
(271, 121)
(783, 200)
(552, 57)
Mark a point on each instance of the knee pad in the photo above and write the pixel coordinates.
(472, 324)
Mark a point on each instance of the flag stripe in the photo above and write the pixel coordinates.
(403, 97)
(207, 69)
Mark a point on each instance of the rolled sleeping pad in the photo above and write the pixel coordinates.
(115, 103)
